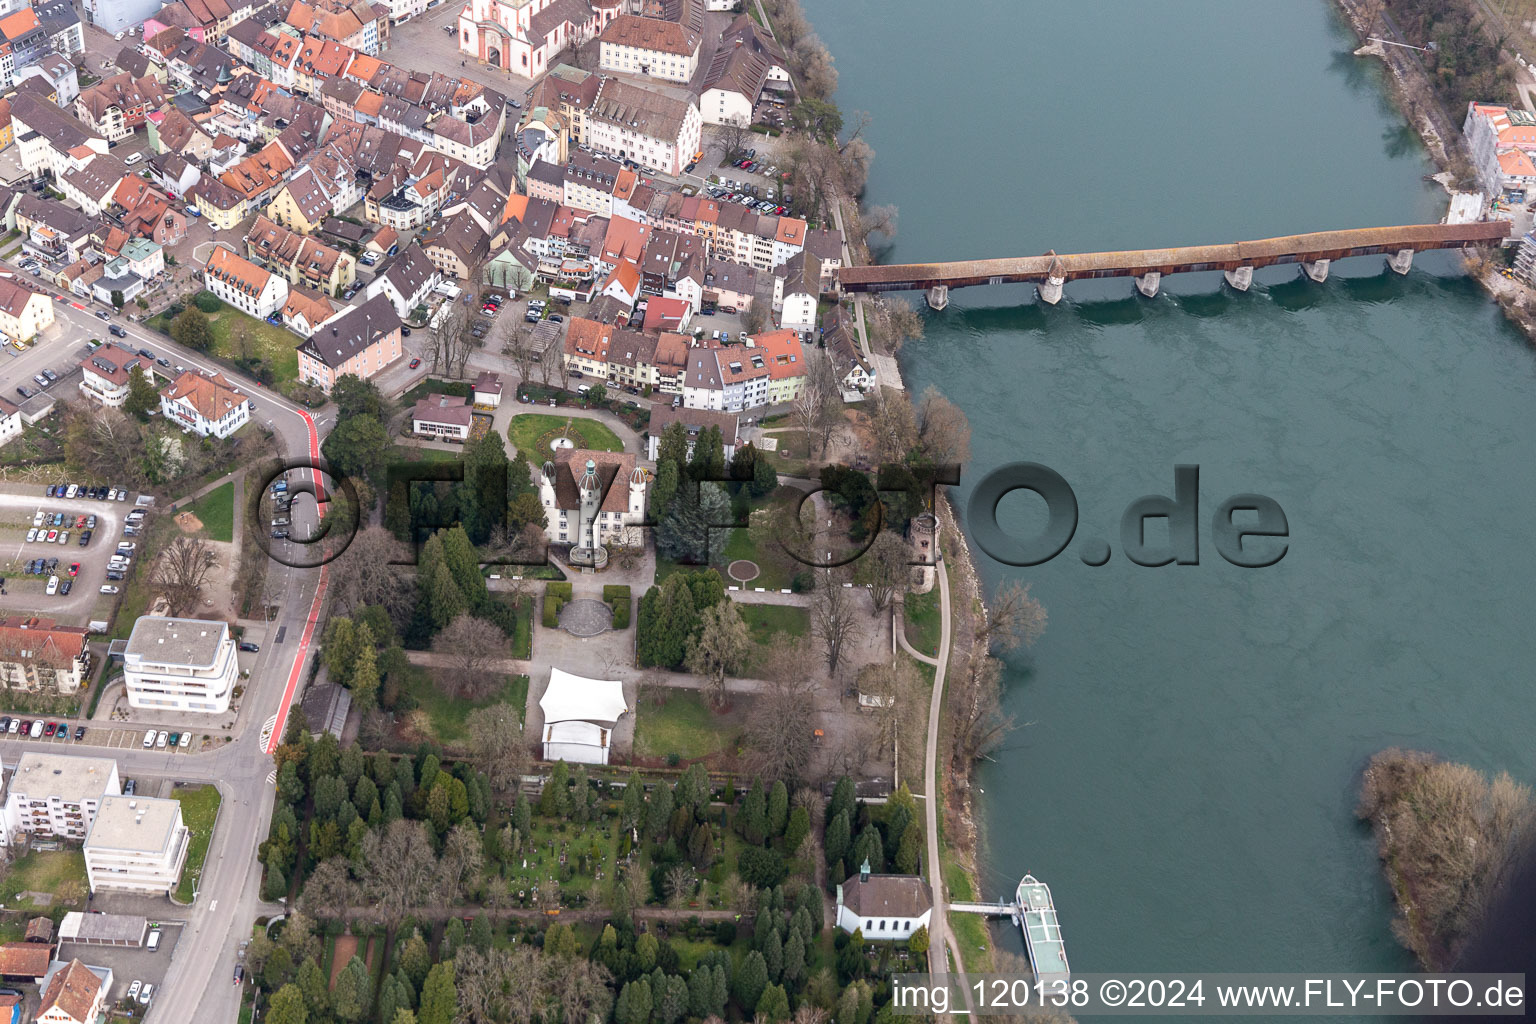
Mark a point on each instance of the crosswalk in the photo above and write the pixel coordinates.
(266, 731)
(272, 777)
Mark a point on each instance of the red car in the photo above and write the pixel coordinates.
(48, 729)
(74, 568)
(415, 363)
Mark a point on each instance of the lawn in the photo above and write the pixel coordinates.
(275, 344)
(444, 717)
(972, 938)
(199, 810)
(790, 458)
(527, 429)
(216, 510)
(772, 575)
(684, 726)
(922, 621)
(767, 619)
(42, 871)
(401, 453)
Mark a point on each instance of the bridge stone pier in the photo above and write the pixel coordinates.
(1240, 278)
(1050, 272)
(1317, 270)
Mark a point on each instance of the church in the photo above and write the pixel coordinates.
(525, 36)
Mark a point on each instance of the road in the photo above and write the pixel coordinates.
(229, 898)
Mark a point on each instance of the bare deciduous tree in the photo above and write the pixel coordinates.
(834, 620)
(496, 740)
(520, 349)
(680, 883)
(461, 861)
(883, 568)
(979, 720)
(1013, 618)
(894, 425)
(182, 569)
(894, 691)
(755, 319)
(472, 645)
(943, 430)
(329, 890)
(722, 646)
(400, 869)
(368, 572)
(780, 729)
(451, 321)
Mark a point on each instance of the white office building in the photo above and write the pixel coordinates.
(57, 794)
(180, 664)
(137, 844)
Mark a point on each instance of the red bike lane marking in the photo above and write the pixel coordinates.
(312, 619)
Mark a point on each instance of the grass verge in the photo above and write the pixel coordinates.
(199, 811)
(922, 621)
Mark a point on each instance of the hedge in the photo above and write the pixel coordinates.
(560, 589)
(617, 597)
(552, 611)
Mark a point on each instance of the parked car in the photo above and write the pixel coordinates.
(117, 332)
(146, 353)
(186, 740)
(415, 363)
(102, 315)
(24, 391)
(37, 729)
(85, 537)
(79, 733)
(162, 738)
(250, 648)
(115, 574)
(66, 587)
(74, 568)
(149, 990)
(133, 990)
(107, 588)
(32, 535)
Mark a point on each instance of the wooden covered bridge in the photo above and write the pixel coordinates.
(1238, 260)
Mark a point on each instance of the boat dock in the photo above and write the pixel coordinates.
(1034, 912)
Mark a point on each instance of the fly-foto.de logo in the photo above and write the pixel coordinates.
(1248, 530)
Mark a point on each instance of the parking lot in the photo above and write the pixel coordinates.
(130, 964)
(20, 508)
(117, 738)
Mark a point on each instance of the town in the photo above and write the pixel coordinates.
(470, 552)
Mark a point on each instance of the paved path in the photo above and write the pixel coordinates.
(938, 932)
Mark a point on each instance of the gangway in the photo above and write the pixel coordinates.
(1034, 913)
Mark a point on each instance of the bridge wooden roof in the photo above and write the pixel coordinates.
(1262, 252)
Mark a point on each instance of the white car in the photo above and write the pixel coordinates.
(126, 545)
(109, 589)
(160, 740)
(186, 739)
(37, 520)
(37, 729)
(144, 996)
(149, 739)
(15, 725)
(133, 990)
(112, 494)
(32, 535)
(53, 585)
(63, 536)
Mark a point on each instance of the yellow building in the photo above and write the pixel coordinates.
(23, 313)
(7, 134)
(221, 206)
(301, 204)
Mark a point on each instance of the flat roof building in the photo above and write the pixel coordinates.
(180, 664)
(136, 844)
(57, 794)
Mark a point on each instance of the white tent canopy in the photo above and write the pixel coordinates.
(573, 698)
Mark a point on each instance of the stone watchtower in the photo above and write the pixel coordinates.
(923, 535)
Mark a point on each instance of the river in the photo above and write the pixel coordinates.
(1191, 737)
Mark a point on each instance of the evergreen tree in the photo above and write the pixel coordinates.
(850, 959)
(700, 987)
(708, 460)
(389, 998)
(276, 885)
(842, 801)
(554, 801)
(365, 678)
(480, 935)
(752, 822)
(773, 954)
(646, 949)
(439, 997)
(673, 446)
(633, 805)
(720, 990)
(869, 847)
(639, 1009)
(143, 396)
(798, 828)
(671, 999)
(460, 557)
(773, 1006)
(692, 521)
(287, 1006)
(416, 961)
(658, 814)
(278, 969)
(778, 809)
(663, 489)
(453, 939)
(353, 996)
(909, 853)
(751, 981)
(793, 972)
(701, 846)
(315, 986)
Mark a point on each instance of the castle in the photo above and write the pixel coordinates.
(586, 503)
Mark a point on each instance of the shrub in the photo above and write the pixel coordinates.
(551, 611)
(208, 302)
(725, 933)
(804, 582)
(621, 614)
(562, 590)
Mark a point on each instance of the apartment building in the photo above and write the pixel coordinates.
(136, 844)
(632, 122)
(105, 374)
(39, 654)
(206, 405)
(180, 664)
(244, 285)
(360, 340)
(57, 794)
